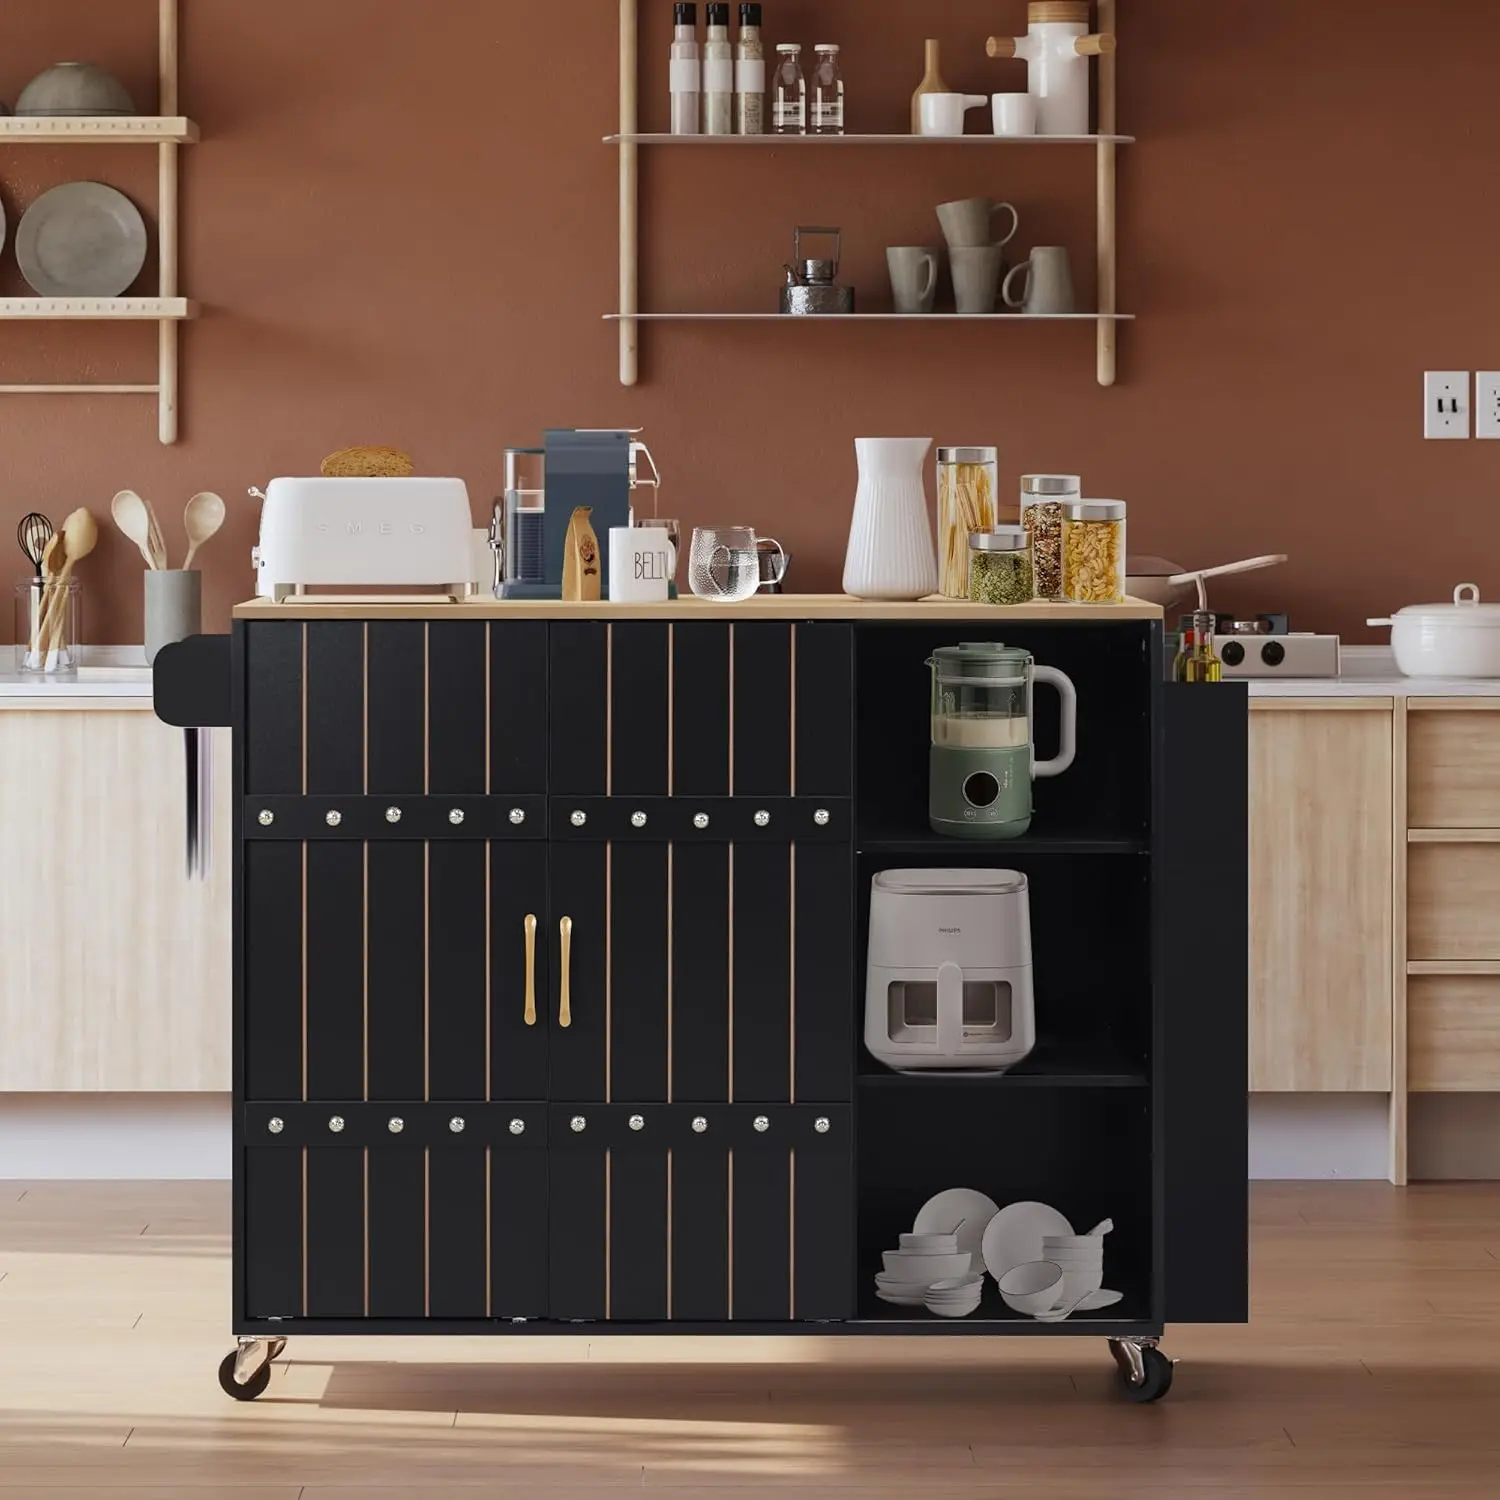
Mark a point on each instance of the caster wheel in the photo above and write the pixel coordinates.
(231, 1387)
(1158, 1379)
(277, 1349)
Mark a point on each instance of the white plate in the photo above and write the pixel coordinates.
(82, 239)
(1092, 1303)
(945, 1213)
(1015, 1235)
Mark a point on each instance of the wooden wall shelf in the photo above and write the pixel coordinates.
(630, 139)
(168, 132)
(771, 317)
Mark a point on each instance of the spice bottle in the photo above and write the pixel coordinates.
(1094, 552)
(967, 479)
(686, 70)
(750, 75)
(1043, 497)
(1000, 566)
(827, 92)
(718, 74)
(789, 102)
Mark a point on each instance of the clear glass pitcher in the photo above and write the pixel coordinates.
(982, 699)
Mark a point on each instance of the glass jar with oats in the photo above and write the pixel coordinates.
(1043, 497)
(1094, 552)
(967, 479)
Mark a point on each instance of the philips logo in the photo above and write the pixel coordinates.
(951, 931)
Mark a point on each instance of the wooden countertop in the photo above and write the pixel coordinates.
(763, 607)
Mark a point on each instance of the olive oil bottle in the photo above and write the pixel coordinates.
(1197, 661)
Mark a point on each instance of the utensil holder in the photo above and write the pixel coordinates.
(47, 616)
(174, 608)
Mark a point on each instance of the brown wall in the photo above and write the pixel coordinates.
(402, 226)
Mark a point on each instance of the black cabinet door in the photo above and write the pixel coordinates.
(1202, 1039)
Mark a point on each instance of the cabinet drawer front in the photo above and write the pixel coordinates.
(1453, 775)
(1453, 1022)
(1453, 896)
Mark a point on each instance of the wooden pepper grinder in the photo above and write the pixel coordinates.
(932, 83)
(581, 576)
(1057, 45)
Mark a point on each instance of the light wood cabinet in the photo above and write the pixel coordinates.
(1321, 895)
(114, 967)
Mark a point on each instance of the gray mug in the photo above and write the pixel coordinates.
(1049, 283)
(976, 277)
(174, 608)
(967, 222)
(914, 277)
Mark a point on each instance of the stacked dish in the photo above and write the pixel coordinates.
(957, 1297)
(921, 1262)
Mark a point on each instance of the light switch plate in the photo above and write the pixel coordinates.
(1445, 404)
(1487, 404)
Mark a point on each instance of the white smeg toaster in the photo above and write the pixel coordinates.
(364, 533)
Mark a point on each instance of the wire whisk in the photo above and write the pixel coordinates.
(34, 532)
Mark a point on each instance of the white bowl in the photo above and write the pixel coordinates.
(909, 1265)
(1034, 1287)
(952, 1309)
(72, 89)
(959, 1283)
(931, 1244)
(1073, 1242)
(1074, 1257)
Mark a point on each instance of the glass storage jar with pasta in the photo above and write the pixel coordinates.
(967, 479)
(1094, 552)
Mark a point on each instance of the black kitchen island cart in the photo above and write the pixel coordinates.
(549, 968)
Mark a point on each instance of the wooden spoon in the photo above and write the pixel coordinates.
(54, 559)
(155, 540)
(129, 511)
(201, 520)
(79, 535)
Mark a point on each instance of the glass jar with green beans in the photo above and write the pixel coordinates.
(1000, 570)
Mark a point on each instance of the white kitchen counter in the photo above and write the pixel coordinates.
(1370, 672)
(118, 674)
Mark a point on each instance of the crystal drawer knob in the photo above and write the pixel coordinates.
(266, 817)
(393, 815)
(275, 1124)
(822, 817)
(336, 1124)
(517, 816)
(822, 1125)
(518, 1127)
(579, 819)
(637, 1122)
(456, 1124)
(456, 817)
(638, 820)
(578, 1124)
(700, 820)
(396, 1125)
(762, 819)
(762, 1124)
(333, 817)
(699, 1124)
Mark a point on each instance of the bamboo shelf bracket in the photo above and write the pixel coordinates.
(1108, 152)
(629, 194)
(169, 132)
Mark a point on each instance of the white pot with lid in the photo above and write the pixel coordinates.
(1461, 639)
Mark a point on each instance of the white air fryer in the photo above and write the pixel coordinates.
(950, 980)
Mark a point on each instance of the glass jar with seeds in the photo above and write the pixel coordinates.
(1043, 497)
(1094, 552)
(1000, 566)
(967, 484)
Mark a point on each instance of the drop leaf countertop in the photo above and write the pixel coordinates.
(116, 676)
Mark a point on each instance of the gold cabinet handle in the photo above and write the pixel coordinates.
(565, 1000)
(530, 926)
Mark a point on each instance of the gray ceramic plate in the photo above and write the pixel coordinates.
(82, 239)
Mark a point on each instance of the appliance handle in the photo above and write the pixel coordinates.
(950, 1009)
(1067, 745)
(565, 989)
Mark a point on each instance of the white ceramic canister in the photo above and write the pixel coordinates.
(1058, 74)
(642, 561)
(891, 555)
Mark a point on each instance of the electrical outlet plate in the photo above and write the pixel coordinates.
(1445, 404)
(1487, 404)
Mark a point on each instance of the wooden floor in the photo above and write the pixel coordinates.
(1372, 1369)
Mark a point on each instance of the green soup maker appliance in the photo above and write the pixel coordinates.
(983, 758)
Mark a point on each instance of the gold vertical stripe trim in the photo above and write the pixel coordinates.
(489, 990)
(791, 1236)
(304, 1231)
(671, 880)
(427, 972)
(609, 965)
(489, 1189)
(729, 945)
(669, 1233)
(304, 971)
(609, 1224)
(365, 986)
(729, 1269)
(366, 1155)
(791, 973)
(427, 1234)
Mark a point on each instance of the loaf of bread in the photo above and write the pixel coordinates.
(368, 463)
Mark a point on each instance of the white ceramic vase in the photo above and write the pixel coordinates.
(891, 553)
